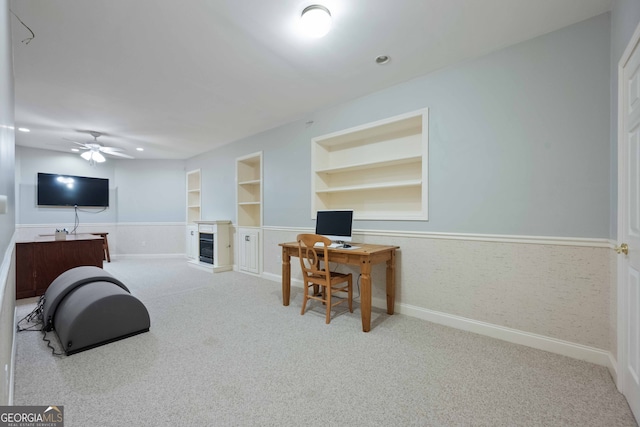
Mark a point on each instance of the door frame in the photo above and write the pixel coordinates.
(622, 204)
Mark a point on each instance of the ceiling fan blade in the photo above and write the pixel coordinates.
(75, 142)
(108, 149)
(114, 153)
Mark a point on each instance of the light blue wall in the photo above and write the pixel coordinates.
(33, 161)
(139, 190)
(150, 191)
(518, 143)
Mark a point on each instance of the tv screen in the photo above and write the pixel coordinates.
(336, 225)
(69, 190)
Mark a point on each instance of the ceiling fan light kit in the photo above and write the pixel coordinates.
(93, 157)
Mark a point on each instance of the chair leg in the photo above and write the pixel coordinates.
(328, 302)
(350, 293)
(106, 248)
(305, 297)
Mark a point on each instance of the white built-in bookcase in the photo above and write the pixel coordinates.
(249, 192)
(379, 169)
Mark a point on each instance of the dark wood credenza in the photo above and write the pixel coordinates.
(41, 260)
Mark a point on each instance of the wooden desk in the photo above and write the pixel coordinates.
(41, 260)
(365, 256)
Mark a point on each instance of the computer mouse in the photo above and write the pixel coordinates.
(346, 246)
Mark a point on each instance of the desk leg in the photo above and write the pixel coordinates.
(391, 282)
(286, 277)
(365, 295)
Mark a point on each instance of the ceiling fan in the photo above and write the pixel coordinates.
(94, 149)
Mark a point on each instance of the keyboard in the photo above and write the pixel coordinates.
(332, 245)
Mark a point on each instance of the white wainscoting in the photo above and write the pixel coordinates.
(151, 239)
(549, 293)
(136, 239)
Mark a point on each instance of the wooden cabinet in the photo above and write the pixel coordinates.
(379, 169)
(40, 261)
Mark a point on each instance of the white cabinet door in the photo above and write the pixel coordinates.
(248, 251)
(192, 242)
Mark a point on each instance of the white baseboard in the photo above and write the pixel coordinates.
(541, 342)
(14, 351)
(147, 256)
(515, 336)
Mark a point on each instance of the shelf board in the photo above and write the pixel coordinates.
(248, 203)
(371, 165)
(251, 182)
(195, 190)
(410, 122)
(397, 184)
(194, 206)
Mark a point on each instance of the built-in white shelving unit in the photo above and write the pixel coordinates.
(249, 190)
(193, 196)
(193, 212)
(249, 212)
(378, 169)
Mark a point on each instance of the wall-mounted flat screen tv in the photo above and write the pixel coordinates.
(70, 190)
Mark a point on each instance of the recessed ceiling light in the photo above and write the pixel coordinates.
(75, 150)
(382, 59)
(140, 149)
(24, 130)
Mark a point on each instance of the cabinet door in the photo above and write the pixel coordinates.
(248, 251)
(192, 242)
(51, 259)
(25, 280)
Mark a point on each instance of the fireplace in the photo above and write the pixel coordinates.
(206, 248)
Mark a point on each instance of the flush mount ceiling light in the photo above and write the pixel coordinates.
(315, 20)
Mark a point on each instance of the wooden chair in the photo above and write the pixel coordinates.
(105, 245)
(314, 277)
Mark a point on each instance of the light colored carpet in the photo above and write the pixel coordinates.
(224, 351)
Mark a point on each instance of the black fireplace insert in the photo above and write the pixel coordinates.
(206, 248)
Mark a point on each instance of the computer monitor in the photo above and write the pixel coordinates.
(336, 225)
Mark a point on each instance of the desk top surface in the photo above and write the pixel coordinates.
(69, 237)
(357, 248)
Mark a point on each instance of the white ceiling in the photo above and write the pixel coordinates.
(180, 77)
